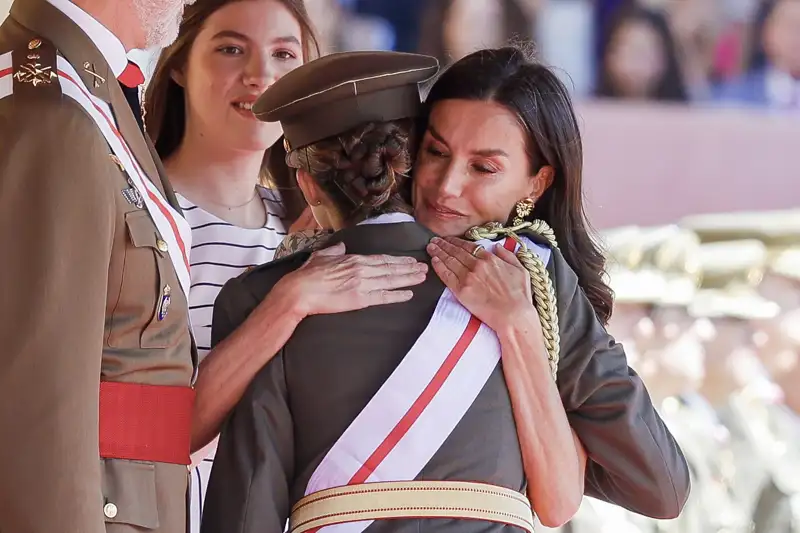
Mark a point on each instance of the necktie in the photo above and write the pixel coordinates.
(129, 81)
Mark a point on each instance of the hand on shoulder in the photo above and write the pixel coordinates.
(332, 281)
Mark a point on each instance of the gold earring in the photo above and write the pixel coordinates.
(523, 208)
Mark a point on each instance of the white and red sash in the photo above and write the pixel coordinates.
(417, 408)
(172, 227)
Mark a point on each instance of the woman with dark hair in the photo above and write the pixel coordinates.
(220, 160)
(427, 369)
(501, 146)
(641, 60)
(501, 133)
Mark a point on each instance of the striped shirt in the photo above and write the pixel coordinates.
(221, 251)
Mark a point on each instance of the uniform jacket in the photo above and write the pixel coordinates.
(82, 276)
(304, 399)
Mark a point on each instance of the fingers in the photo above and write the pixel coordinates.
(385, 260)
(383, 297)
(509, 257)
(448, 277)
(440, 250)
(394, 281)
(458, 249)
(466, 246)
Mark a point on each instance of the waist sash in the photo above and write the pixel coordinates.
(417, 408)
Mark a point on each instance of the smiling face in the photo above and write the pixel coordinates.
(473, 167)
(242, 49)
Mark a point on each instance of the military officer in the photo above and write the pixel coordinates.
(97, 366)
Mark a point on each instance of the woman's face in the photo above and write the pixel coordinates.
(635, 59)
(472, 168)
(242, 49)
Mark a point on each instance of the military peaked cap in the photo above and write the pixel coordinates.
(335, 93)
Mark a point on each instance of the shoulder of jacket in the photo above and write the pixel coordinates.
(271, 272)
(32, 66)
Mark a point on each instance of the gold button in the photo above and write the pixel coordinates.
(110, 510)
(34, 44)
(162, 245)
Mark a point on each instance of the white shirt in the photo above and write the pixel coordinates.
(109, 45)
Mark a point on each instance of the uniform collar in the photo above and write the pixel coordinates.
(384, 238)
(109, 45)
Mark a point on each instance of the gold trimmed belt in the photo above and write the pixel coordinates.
(411, 500)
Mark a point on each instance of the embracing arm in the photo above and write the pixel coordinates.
(248, 330)
(634, 461)
(553, 458)
(242, 345)
(488, 284)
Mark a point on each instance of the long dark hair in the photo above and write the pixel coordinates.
(164, 100)
(510, 77)
(671, 87)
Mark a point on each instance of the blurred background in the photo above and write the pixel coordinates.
(690, 112)
(686, 105)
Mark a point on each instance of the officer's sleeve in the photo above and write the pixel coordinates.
(57, 216)
(248, 491)
(634, 461)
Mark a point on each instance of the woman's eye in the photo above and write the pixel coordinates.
(231, 50)
(284, 55)
(484, 169)
(433, 151)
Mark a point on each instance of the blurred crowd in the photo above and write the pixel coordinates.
(741, 52)
(708, 310)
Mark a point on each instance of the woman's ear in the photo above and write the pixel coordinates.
(542, 181)
(178, 77)
(308, 187)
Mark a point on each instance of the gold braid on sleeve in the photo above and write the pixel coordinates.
(544, 294)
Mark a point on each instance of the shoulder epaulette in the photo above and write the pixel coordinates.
(35, 68)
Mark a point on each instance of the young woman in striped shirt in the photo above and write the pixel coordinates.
(219, 158)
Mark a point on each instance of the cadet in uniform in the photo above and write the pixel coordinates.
(93, 316)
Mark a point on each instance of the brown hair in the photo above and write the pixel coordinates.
(165, 103)
(363, 170)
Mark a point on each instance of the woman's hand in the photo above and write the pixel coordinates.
(333, 282)
(492, 286)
